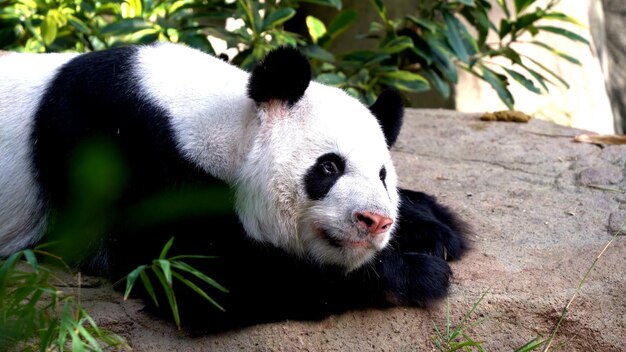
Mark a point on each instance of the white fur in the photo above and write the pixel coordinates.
(23, 77)
(264, 152)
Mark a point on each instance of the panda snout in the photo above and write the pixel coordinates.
(373, 223)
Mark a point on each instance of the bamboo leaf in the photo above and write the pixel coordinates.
(564, 32)
(131, 278)
(500, 87)
(167, 270)
(521, 79)
(550, 72)
(557, 52)
(171, 297)
(563, 17)
(195, 272)
(148, 285)
(166, 248)
(198, 290)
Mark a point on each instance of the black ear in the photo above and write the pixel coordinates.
(389, 110)
(284, 74)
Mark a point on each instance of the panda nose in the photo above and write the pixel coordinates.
(374, 223)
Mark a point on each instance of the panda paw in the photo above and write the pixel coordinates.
(413, 279)
(427, 227)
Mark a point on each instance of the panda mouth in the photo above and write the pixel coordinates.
(343, 243)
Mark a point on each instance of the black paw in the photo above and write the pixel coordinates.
(413, 279)
(427, 227)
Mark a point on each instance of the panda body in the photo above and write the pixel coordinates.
(314, 187)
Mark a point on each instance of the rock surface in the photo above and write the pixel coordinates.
(542, 207)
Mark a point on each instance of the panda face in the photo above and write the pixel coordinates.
(332, 186)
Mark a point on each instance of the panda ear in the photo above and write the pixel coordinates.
(389, 110)
(284, 74)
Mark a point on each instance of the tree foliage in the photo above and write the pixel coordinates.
(422, 50)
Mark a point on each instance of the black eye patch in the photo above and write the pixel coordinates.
(323, 175)
(383, 175)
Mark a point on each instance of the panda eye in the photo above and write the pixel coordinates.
(382, 174)
(329, 168)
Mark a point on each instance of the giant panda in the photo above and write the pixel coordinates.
(288, 183)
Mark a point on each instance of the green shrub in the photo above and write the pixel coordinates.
(421, 51)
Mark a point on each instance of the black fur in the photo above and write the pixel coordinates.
(284, 74)
(389, 110)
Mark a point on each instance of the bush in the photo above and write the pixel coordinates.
(421, 51)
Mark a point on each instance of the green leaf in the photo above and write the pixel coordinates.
(198, 290)
(166, 267)
(397, 44)
(166, 248)
(79, 24)
(278, 17)
(505, 28)
(333, 3)
(316, 28)
(193, 271)
(523, 22)
(538, 77)
(563, 17)
(543, 67)
(564, 32)
(49, 29)
(423, 23)
(453, 34)
(521, 79)
(466, 2)
(557, 52)
(148, 286)
(499, 85)
(125, 26)
(198, 41)
(169, 293)
(318, 53)
(521, 5)
(405, 80)
(331, 79)
(131, 278)
(380, 9)
(512, 55)
(441, 85)
(341, 22)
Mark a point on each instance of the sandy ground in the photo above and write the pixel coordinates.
(542, 207)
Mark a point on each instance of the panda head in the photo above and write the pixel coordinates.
(318, 179)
